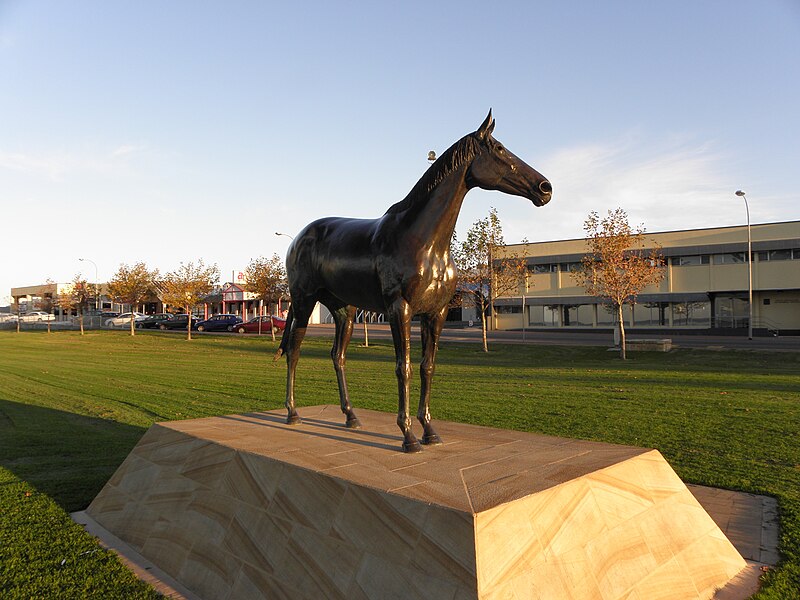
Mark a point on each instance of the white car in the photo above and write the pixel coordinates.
(124, 320)
(37, 316)
(8, 318)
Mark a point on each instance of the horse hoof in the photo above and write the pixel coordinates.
(411, 447)
(353, 423)
(293, 419)
(431, 440)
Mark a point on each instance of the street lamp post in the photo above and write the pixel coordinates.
(96, 283)
(741, 194)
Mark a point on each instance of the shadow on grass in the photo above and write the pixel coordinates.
(67, 456)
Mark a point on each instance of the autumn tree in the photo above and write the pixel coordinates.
(618, 265)
(131, 285)
(75, 296)
(187, 286)
(266, 278)
(483, 275)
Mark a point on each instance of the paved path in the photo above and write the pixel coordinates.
(567, 338)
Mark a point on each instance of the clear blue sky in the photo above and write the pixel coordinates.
(172, 131)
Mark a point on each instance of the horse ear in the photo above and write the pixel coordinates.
(487, 127)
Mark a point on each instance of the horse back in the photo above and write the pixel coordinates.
(335, 255)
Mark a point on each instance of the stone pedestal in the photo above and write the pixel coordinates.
(244, 506)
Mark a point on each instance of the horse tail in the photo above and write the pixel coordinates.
(289, 329)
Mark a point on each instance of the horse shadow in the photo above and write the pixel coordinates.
(67, 456)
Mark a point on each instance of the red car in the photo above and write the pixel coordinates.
(266, 325)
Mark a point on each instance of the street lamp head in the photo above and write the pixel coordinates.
(739, 193)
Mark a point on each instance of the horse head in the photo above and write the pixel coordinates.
(497, 168)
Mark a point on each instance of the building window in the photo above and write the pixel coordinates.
(691, 314)
(543, 316)
(690, 260)
(508, 309)
(578, 315)
(606, 314)
(796, 253)
(537, 269)
(650, 314)
(731, 312)
(571, 267)
(778, 255)
(730, 258)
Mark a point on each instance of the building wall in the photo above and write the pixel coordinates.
(705, 284)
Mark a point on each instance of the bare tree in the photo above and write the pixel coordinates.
(131, 285)
(266, 278)
(482, 275)
(48, 302)
(187, 286)
(618, 265)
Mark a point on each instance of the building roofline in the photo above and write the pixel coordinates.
(649, 233)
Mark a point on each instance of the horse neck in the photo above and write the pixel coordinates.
(431, 219)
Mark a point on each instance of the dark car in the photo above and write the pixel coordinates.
(266, 325)
(178, 322)
(153, 321)
(219, 323)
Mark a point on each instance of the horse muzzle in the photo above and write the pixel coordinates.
(543, 194)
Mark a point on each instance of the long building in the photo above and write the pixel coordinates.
(705, 288)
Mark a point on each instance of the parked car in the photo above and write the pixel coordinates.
(219, 323)
(178, 322)
(124, 320)
(107, 314)
(153, 321)
(8, 318)
(37, 316)
(266, 324)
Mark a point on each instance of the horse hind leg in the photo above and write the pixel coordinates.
(296, 331)
(343, 317)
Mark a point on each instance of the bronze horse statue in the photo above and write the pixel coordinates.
(398, 264)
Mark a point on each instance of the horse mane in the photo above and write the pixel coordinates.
(463, 151)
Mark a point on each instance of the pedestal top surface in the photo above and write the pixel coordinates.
(475, 469)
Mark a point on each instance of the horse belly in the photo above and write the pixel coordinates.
(352, 280)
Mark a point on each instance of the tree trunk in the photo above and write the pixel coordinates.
(261, 314)
(483, 328)
(188, 324)
(133, 321)
(621, 333)
(272, 326)
(80, 319)
(366, 333)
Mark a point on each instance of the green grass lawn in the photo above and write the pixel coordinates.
(72, 407)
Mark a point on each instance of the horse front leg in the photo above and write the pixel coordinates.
(343, 317)
(431, 328)
(400, 319)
